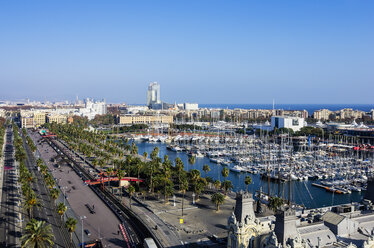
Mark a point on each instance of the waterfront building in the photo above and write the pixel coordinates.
(57, 118)
(136, 109)
(32, 118)
(372, 114)
(144, 119)
(322, 114)
(349, 113)
(153, 94)
(294, 123)
(93, 108)
(190, 106)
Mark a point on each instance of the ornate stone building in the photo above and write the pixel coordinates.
(245, 230)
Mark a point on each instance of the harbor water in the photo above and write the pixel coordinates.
(302, 192)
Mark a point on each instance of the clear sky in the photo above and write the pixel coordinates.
(205, 51)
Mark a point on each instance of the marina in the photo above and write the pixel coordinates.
(312, 174)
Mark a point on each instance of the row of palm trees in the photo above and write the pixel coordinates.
(161, 176)
(36, 233)
(61, 208)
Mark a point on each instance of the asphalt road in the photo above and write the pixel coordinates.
(9, 214)
(103, 224)
(46, 211)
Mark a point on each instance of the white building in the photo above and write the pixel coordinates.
(191, 106)
(93, 108)
(2, 113)
(153, 94)
(295, 123)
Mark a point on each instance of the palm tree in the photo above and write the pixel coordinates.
(109, 172)
(30, 203)
(218, 199)
(166, 171)
(183, 187)
(227, 185)
(179, 166)
(145, 155)
(95, 162)
(225, 173)
(71, 225)
(54, 194)
(37, 234)
(192, 160)
(248, 181)
(199, 186)
(134, 149)
(131, 191)
(206, 168)
(139, 165)
(217, 184)
(154, 165)
(61, 209)
(275, 203)
(120, 174)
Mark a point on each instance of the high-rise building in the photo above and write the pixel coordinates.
(153, 94)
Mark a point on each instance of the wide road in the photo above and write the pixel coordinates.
(9, 213)
(47, 211)
(103, 224)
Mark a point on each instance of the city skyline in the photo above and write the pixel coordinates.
(207, 52)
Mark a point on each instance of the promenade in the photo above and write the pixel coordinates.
(103, 224)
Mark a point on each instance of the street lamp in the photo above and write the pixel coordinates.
(193, 198)
(82, 218)
(174, 199)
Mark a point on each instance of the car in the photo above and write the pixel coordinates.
(88, 233)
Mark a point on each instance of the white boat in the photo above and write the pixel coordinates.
(199, 155)
(236, 168)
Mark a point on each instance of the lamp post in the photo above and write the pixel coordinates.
(82, 218)
(193, 198)
(174, 199)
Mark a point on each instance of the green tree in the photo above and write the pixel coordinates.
(61, 209)
(275, 203)
(131, 191)
(120, 174)
(227, 185)
(248, 181)
(192, 160)
(183, 187)
(225, 173)
(206, 168)
(37, 234)
(30, 203)
(54, 194)
(217, 184)
(179, 166)
(218, 199)
(71, 225)
(145, 155)
(134, 149)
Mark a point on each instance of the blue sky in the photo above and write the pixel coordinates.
(207, 51)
